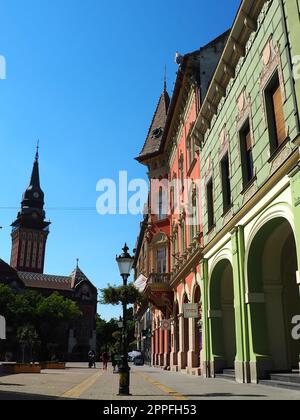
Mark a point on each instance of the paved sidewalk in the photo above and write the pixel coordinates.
(79, 382)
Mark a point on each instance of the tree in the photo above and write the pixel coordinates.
(56, 315)
(24, 308)
(7, 298)
(31, 315)
(56, 308)
(105, 330)
(114, 295)
(28, 338)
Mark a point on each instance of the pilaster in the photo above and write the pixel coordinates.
(242, 363)
(206, 352)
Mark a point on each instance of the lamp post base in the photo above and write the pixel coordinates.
(124, 389)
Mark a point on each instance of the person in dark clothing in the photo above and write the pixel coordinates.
(105, 360)
(92, 359)
(114, 362)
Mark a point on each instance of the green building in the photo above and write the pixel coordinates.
(248, 128)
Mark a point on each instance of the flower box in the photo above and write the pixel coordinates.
(53, 365)
(16, 368)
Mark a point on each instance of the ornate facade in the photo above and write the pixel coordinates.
(240, 262)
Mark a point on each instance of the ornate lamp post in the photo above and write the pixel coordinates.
(125, 263)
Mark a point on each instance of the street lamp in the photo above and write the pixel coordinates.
(125, 263)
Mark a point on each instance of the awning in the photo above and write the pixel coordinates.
(141, 283)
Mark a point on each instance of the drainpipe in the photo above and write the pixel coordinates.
(290, 63)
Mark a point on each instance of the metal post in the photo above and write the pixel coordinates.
(124, 369)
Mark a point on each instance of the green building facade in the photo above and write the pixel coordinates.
(248, 129)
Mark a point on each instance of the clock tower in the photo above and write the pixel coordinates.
(30, 230)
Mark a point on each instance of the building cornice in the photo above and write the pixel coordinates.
(244, 25)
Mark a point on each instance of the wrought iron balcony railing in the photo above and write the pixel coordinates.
(156, 278)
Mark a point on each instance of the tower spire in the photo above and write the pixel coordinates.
(165, 79)
(28, 248)
(37, 151)
(35, 175)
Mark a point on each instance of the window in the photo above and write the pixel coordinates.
(175, 248)
(181, 168)
(173, 251)
(193, 216)
(226, 187)
(174, 191)
(247, 154)
(191, 152)
(161, 261)
(172, 199)
(161, 205)
(183, 237)
(275, 114)
(210, 204)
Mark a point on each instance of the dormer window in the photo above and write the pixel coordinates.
(157, 133)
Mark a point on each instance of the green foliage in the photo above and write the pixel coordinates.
(6, 300)
(109, 335)
(105, 335)
(122, 294)
(24, 307)
(31, 315)
(29, 339)
(56, 308)
(27, 335)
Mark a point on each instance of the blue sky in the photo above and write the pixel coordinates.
(84, 77)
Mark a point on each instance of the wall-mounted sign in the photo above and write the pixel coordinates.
(191, 310)
(166, 325)
(2, 328)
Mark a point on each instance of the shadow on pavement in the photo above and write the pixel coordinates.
(225, 395)
(20, 396)
(6, 384)
(220, 395)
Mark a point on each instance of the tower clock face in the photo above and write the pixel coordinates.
(36, 195)
(35, 215)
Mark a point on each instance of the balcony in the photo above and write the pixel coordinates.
(159, 279)
(158, 290)
(159, 282)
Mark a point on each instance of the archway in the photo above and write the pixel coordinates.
(273, 297)
(222, 317)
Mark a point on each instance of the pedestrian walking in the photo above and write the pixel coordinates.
(105, 360)
(114, 363)
(92, 359)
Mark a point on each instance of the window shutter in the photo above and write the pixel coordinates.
(248, 141)
(279, 116)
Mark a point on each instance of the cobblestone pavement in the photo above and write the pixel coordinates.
(79, 382)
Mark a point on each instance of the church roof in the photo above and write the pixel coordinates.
(7, 273)
(53, 282)
(77, 277)
(155, 135)
(46, 281)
